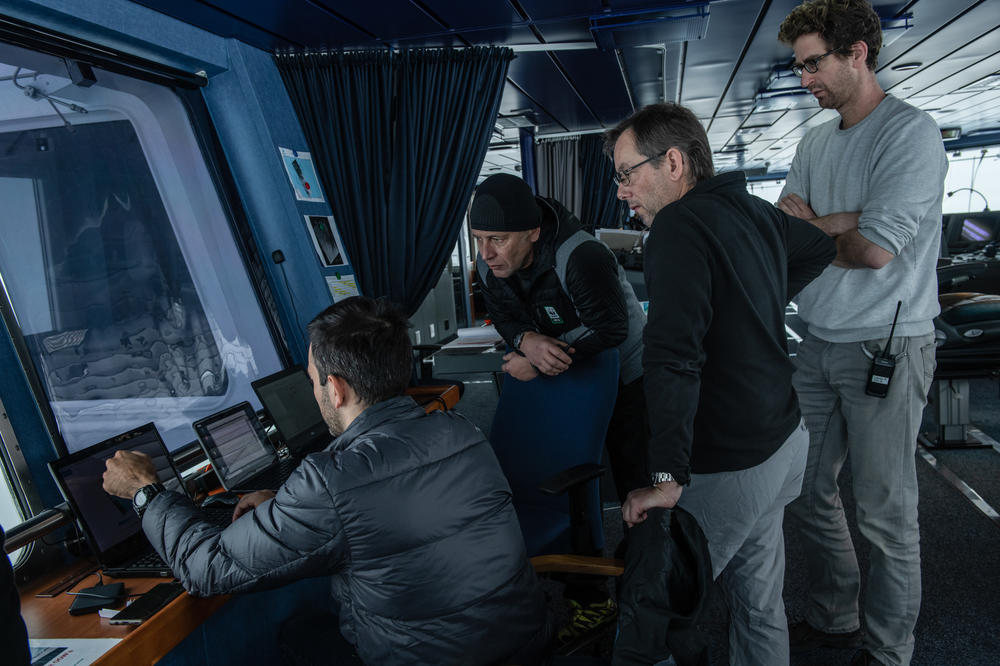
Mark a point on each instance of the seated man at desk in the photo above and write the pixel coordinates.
(408, 512)
(556, 294)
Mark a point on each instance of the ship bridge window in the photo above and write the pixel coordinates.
(117, 257)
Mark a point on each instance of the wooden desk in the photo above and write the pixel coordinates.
(144, 644)
(433, 398)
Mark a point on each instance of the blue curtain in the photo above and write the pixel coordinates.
(599, 205)
(398, 139)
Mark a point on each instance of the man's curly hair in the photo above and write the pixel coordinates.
(839, 22)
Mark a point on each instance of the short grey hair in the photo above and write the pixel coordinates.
(660, 127)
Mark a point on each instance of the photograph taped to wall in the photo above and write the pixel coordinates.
(326, 240)
(302, 174)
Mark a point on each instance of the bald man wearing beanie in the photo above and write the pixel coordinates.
(556, 294)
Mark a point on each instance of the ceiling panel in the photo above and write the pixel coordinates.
(536, 75)
(957, 43)
(973, 69)
(931, 17)
(709, 67)
(599, 81)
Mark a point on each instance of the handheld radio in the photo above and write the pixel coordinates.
(883, 365)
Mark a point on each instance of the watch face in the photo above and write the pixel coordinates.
(140, 498)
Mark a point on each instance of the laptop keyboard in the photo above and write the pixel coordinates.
(149, 560)
(272, 477)
(218, 514)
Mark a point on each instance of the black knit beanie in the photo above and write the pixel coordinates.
(504, 203)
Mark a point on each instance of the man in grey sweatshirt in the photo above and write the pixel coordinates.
(872, 178)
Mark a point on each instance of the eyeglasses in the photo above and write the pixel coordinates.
(810, 65)
(622, 177)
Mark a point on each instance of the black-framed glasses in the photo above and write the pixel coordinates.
(810, 65)
(622, 177)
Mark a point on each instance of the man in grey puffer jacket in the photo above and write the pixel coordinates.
(408, 512)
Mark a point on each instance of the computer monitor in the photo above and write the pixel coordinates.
(967, 232)
(109, 522)
(288, 398)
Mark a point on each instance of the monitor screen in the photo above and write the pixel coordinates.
(978, 229)
(235, 441)
(110, 520)
(288, 398)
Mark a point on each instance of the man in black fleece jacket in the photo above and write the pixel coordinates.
(727, 442)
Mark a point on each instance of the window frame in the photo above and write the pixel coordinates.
(23, 485)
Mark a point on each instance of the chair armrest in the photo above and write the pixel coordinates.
(568, 478)
(585, 564)
(431, 398)
(426, 350)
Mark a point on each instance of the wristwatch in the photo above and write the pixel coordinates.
(661, 477)
(517, 340)
(144, 495)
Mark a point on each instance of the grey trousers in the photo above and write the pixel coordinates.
(741, 515)
(880, 435)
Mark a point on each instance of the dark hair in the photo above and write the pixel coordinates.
(365, 342)
(839, 23)
(660, 127)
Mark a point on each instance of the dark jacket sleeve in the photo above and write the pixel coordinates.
(678, 272)
(809, 250)
(13, 635)
(508, 322)
(592, 280)
(296, 535)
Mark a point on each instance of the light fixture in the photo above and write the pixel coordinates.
(906, 66)
(676, 21)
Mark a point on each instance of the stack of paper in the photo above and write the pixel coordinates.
(478, 338)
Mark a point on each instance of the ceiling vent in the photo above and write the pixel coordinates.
(673, 22)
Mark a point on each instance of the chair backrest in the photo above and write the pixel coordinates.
(546, 426)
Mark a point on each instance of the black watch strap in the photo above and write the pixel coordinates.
(145, 495)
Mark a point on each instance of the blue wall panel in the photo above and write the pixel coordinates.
(253, 115)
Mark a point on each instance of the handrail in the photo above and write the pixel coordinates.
(38, 526)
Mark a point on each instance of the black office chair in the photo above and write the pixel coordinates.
(968, 347)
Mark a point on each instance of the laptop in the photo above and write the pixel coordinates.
(287, 396)
(110, 524)
(235, 443)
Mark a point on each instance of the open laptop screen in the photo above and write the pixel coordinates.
(109, 521)
(288, 398)
(235, 442)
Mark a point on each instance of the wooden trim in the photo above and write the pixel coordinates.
(154, 638)
(600, 566)
(433, 398)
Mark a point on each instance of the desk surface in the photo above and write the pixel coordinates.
(143, 644)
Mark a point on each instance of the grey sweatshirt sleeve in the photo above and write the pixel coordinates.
(905, 182)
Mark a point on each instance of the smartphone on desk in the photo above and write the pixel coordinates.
(146, 606)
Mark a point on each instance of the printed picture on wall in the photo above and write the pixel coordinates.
(326, 240)
(302, 174)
